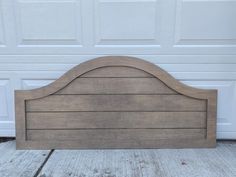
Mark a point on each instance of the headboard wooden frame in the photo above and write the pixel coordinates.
(115, 102)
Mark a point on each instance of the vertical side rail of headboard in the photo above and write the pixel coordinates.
(20, 118)
(211, 117)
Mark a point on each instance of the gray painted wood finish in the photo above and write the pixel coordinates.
(115, 102)
(101, 103)
(116, 86)
(73, 120)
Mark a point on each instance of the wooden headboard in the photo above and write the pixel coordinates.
(115, 102)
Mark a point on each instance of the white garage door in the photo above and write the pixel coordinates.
(194, 40)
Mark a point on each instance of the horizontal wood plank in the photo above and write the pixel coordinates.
(121, 144)
(73, 120)
(115, 134)
(116, 71)
(116, 103)
(116, 86)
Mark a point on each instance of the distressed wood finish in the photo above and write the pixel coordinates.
(114, 71)
(73, 120)
(115, 102)
(116, 86)
(104, 135)
(138, 103)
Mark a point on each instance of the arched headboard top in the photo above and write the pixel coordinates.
(115, 102)
(115, 61)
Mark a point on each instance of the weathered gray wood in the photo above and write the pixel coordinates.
(19, 163)
(96, 135)
(116, 86)
(73, 120)
(218, 162)
(211, 115)
(114, 144)
(116, 71)
(139, 96)
(114, 61)
(20, 115)
(116, 103)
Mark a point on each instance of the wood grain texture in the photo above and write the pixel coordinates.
(116, 86)
(72, 120)
(104, 136)
(116, 72)
(114, 144)
(116, 102)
